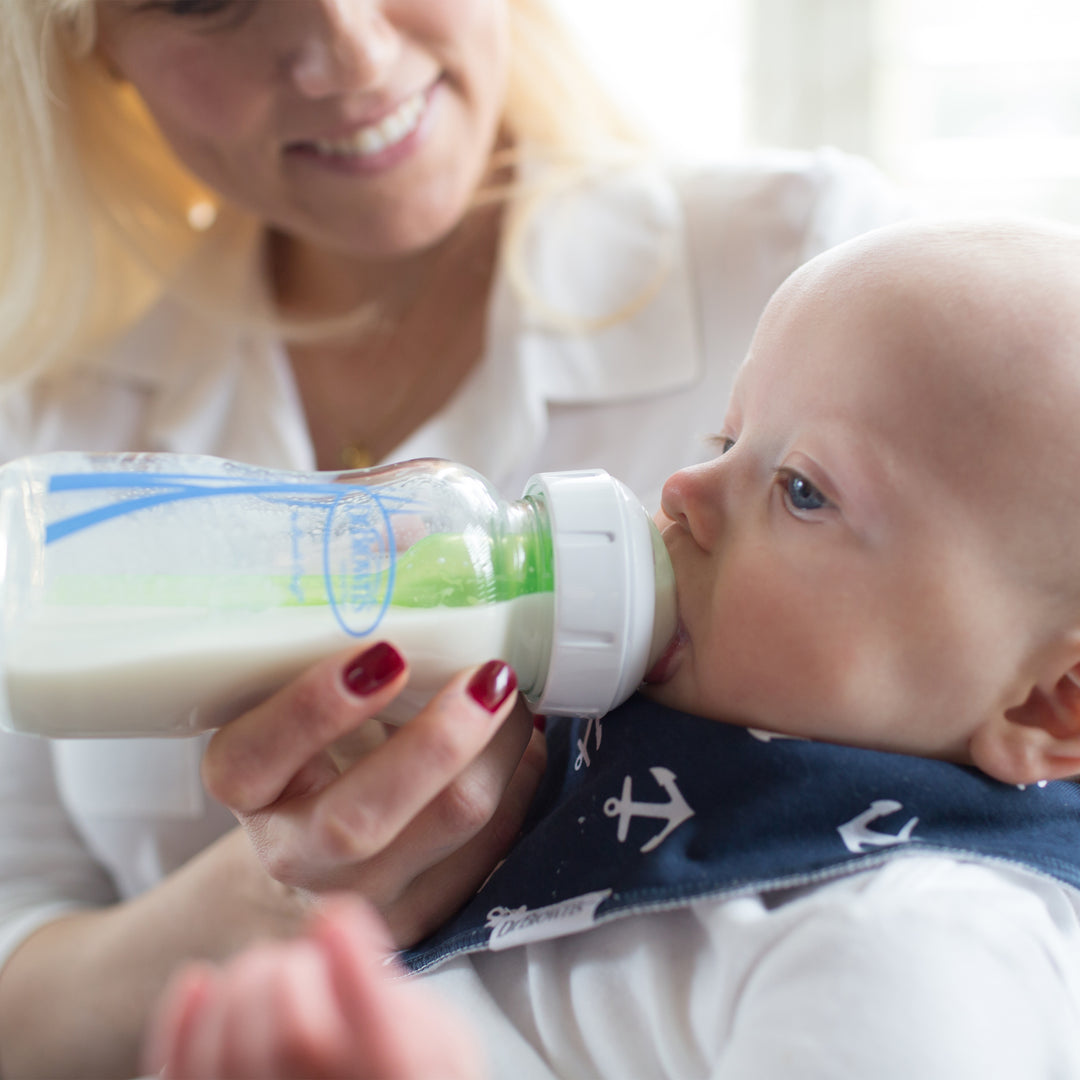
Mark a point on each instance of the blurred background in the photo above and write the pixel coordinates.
(973, 106)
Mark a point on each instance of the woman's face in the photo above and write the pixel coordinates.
(363, 126)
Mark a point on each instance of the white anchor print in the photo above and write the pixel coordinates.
(676, 810)
(583, 744)
(768, 736)
(858, 836)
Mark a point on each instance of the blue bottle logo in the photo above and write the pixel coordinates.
(338, 543)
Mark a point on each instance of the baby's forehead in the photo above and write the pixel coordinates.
(955, 292)
(959, 268)
(965, 333)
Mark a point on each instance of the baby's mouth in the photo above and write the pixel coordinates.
(665, 667)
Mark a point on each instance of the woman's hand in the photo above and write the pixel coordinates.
(325, 1004)
(416, 822)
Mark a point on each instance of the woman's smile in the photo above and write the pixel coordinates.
(352, 127)
(377, 145)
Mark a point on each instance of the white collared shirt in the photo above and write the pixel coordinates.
(927, 968)
(85, 822)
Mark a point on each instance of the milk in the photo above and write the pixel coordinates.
(132, 671)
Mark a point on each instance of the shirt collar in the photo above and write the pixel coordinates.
(611, 248)
(178, 339)
(607, 311)
(607, 262)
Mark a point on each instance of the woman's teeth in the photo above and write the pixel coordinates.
(375, 138)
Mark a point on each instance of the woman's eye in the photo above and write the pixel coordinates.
(197, 7)
(205, 15)
(801, 494)
(721, 443)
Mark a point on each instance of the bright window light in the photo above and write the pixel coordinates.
(971, 105)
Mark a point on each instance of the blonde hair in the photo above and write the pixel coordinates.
(97, 216)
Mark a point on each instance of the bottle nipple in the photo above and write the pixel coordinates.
(666, 619)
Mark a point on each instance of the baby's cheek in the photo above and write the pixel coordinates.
(776, 663)
(682, 695)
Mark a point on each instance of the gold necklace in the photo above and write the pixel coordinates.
(355, 456)
(429, 390)
(435, 336)
(360, 451)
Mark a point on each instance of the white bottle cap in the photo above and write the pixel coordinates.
(614, 592)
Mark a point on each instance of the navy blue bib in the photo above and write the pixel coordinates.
(649, 809)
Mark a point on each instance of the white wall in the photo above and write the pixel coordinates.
(973, 105)
(677, 63)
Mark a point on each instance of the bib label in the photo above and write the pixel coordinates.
(521, 926)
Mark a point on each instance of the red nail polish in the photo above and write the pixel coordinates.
(373, 669)
(492, 684)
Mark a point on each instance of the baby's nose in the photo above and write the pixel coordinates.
(691, 499)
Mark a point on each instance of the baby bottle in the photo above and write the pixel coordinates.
(164, 594)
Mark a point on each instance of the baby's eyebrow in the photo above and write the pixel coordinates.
(863, 480)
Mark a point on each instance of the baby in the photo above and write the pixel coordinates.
(885, 553)
(864, 870)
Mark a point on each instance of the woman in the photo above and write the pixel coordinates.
(312, 234)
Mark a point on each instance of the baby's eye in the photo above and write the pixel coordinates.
(801, 494)
(721, 443)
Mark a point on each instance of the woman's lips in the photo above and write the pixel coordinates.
(665, 667)
(374, 146)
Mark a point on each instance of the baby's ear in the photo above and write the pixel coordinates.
(1040, 738)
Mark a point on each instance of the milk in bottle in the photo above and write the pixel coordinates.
(162, 594)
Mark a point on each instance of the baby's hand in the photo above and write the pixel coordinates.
(329, 1005)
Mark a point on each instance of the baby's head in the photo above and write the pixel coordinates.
(887, 550)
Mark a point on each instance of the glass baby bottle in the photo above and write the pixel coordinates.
(164, 594)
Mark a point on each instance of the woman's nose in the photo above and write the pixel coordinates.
(347, 45)
(692, 498)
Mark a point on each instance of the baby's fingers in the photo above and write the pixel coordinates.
(359, 958)
(175, 1043)
(384, 1011)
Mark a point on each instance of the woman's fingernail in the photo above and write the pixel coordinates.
(373, 669)
(492, 684)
